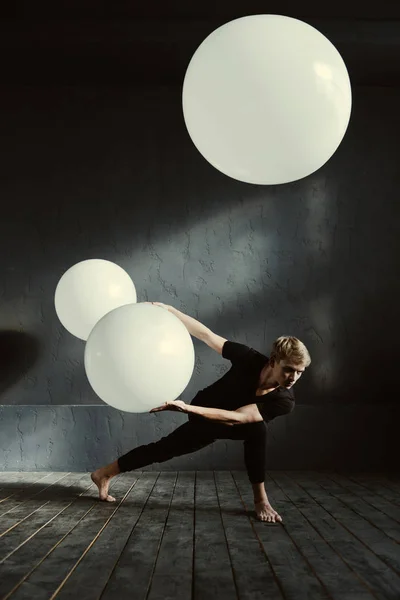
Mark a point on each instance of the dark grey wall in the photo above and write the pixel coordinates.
(111, 173)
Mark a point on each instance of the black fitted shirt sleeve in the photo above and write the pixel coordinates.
(277, 403)
(235, 352)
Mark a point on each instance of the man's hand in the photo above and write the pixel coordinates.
(166, 306)
(175, 405)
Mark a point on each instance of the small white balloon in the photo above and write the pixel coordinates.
(88, 291)
(266, 99)
(139, 356)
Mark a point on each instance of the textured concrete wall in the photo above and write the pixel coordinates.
(80, 438)
(112, 173)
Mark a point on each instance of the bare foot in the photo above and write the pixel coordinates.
(265, 512)
(102, 481)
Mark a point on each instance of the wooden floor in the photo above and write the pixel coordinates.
(193, 535)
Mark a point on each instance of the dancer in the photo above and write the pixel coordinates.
(255, 390)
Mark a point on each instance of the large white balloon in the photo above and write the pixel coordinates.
(138, 356)
(88, 291)
(266, 99)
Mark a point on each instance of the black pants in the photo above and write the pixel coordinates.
(196, 434)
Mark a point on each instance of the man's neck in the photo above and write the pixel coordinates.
(266, 381)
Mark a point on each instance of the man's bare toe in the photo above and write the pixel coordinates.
(266, 513)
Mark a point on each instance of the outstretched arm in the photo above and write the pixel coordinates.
(244, 414)
(197, 329)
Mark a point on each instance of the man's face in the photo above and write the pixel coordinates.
(286, 372)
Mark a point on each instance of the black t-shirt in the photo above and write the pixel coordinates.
(239, 385)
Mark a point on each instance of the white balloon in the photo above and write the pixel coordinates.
(266, 99)
(88, 291)
(138, 356)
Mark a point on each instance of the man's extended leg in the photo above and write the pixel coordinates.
(188, 438)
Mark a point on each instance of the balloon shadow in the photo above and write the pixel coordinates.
(19, 351)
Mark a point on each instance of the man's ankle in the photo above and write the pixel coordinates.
(258, 499)
(259, 493)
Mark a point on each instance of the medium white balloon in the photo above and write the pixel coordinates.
(266, 99)
(88, 291)
(138, 356)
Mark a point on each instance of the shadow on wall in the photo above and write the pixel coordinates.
(19, 351)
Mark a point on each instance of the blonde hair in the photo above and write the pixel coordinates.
(287, 347)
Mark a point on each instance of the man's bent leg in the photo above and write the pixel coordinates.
(255, 444)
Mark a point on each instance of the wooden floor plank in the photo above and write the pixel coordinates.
(16, 482)
(172, 577)
(34, 505)
(374, 484)
(391, 481)
(23, 560)
(255, 578)
(11, 477)
(194, 536)
(375, 573)
(140, 552)
(373, 538)
(30, 493)
(102, 556)
(24, 530)
(288, 565)
(341, 582)
(213, 575)
(359, 505)
(394, 480)
(44, 580)
(378, 502)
